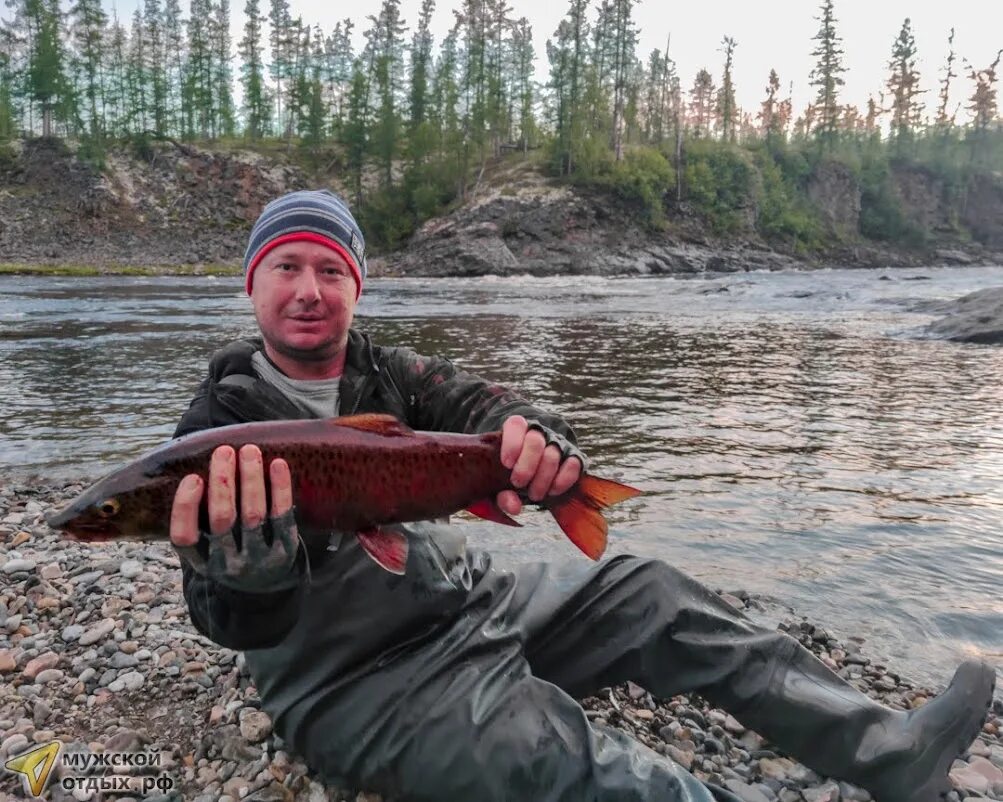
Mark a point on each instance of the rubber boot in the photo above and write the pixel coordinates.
(836, 730)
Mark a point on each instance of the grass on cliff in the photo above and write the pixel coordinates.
(118, 270)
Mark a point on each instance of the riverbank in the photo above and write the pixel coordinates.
(189, 208)
(118, 270)
(96, 649)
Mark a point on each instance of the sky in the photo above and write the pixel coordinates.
(771, 34)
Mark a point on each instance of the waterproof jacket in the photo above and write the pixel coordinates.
(426, 393)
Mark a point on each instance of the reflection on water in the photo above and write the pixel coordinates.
(789, 435)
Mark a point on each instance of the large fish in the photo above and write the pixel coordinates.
(350, 474)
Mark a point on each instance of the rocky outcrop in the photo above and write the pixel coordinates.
(177, 205)
(925, 200)
(547, 230)
(973, 318)
(982, 212)
(172, 203)
(835, 193)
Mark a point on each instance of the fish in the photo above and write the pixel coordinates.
(352, 474)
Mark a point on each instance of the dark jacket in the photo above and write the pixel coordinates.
(427, 393)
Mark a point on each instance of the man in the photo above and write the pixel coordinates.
(457, 681)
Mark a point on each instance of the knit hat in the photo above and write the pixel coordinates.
(312, 215)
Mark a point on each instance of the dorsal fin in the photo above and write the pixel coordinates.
(387, 425)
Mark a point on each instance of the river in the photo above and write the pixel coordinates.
(793, 434)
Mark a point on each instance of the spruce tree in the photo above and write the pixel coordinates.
(154, 67)
(702, 104)
(252, 72)
(903, 84)
(726, 107)
(90, 22)
(827, 77)
(945, 118)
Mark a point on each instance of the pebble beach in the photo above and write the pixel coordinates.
(97, 651)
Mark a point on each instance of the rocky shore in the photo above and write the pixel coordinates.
(179, 205)
(96, 649)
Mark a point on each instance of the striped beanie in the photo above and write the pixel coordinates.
(312, 215)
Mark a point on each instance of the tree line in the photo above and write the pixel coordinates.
(412, 123)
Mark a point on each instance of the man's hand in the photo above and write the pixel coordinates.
(534, 464)
(255, 566)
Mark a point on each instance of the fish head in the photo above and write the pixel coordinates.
(118, 508)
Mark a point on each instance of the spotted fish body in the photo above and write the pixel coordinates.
(351, 474)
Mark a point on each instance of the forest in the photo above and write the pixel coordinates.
(410, 124)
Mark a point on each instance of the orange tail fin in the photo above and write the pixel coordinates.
(579, 511)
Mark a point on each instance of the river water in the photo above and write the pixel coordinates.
(793, 434)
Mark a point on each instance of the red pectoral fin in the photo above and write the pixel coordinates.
(490, 511)
(387, 548)
(386, 425)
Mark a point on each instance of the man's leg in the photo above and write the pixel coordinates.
(644, 621)
(470, 722)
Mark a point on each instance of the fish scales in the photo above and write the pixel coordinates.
(356, 473)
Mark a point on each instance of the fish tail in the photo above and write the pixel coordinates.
(579, 511)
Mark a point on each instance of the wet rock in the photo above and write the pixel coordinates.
(829, 792)
(745, 792)
(973, 318)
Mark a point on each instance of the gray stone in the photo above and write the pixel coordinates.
(255, 726)
(122, 660)
(973, 318)
(97, 632)
(130, 569)
(133, 681)
(18, 566)
(829, 792)
(745, 792)
(72, 633)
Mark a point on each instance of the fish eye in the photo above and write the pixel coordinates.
(109, 507)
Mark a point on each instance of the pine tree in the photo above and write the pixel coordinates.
(726, 108)
(827, 76)
(984, 107)
(89, 34)
(280, 43)
(8, 111)
(702, 104)
(199, 79)
(154, 68)
(421, 63)
(945, 120)
(624, 39)
(116, 84)
(386, 39)
(222, 78)
(174, 64)
(354, 133)
(769, 114)
(256, 101)
(522, 46)
(338, 73)
(137, 97)
(47, 83)
(903, 84)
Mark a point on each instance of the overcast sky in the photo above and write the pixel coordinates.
(771, 34)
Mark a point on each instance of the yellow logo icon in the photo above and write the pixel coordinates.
(35, 766)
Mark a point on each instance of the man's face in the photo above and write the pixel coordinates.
(304, 299)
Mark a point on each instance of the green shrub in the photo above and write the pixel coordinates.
(783, 211)
(642, 178)
(718, 182)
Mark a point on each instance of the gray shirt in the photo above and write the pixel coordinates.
(319, 396)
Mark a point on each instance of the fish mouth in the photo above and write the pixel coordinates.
(59, 518)
(91, 531)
